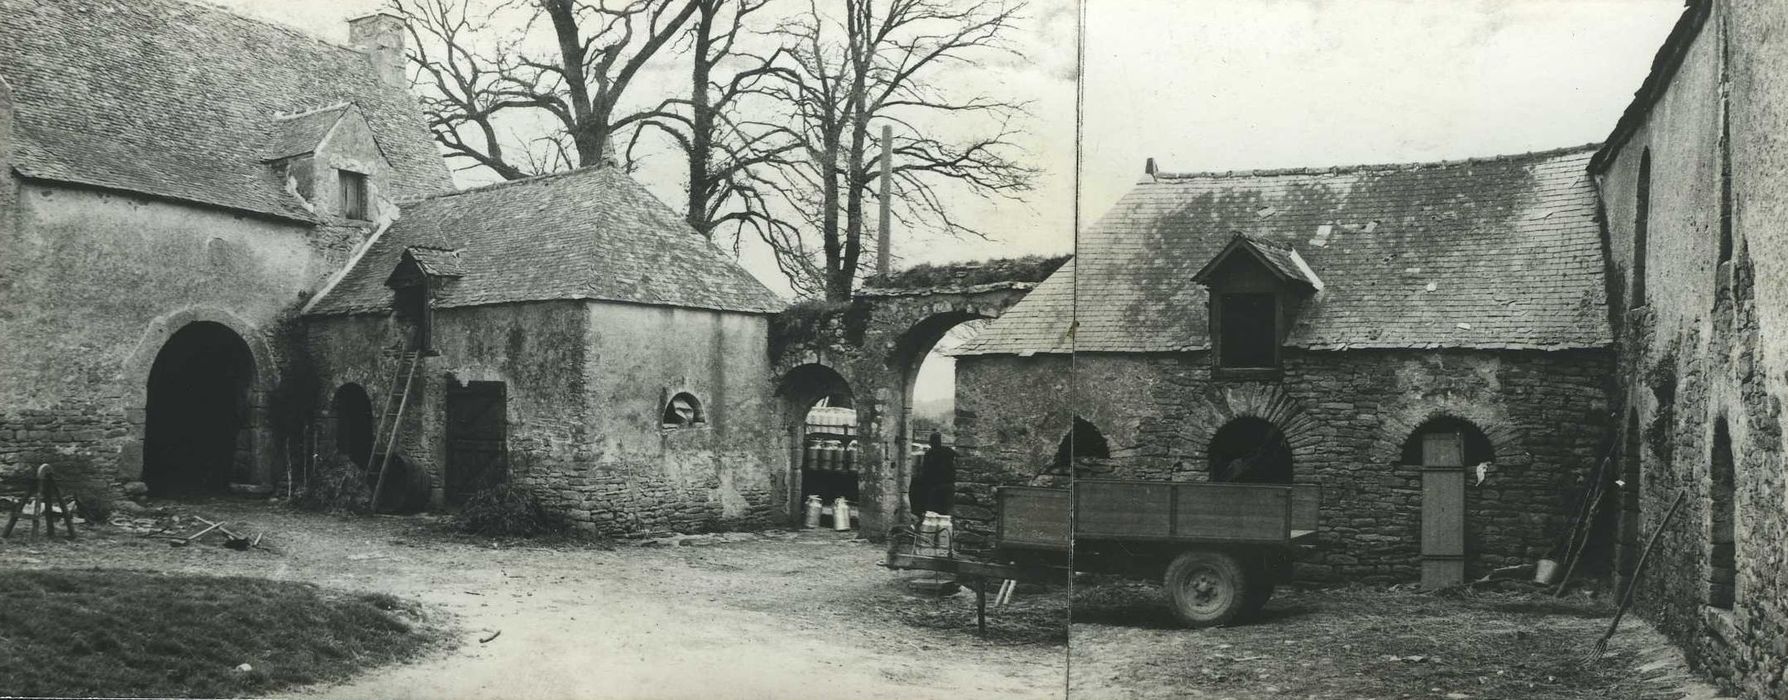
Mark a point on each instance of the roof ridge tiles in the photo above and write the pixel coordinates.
(505, 183)
(1588, 148)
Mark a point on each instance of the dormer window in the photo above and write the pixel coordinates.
(1255, 286)
(1247, 330)
(354, 195)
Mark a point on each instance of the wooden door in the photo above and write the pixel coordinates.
(1443, 509)
(477, 445)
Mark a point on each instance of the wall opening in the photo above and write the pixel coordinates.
(1473, 447)
(198, 432)
(1083, 441)
(1248, 331)
(1250, 450)
(353, 423)
(928, 402)
(1641, 222)
(822, 424)
(683, 411)
(477, 438)
(1722, 550)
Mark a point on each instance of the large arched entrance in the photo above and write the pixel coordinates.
(198, 432)
(925, 375)
(819, 415)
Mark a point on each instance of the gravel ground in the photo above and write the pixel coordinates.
(770, 615)
(1370, 643)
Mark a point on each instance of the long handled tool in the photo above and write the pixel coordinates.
(1638, 569)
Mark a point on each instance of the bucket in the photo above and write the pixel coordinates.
(1544, 571)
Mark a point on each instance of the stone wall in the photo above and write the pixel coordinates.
(1705, 349)
(1011, 416)
(97, 281)
(585, 385)
(1346, 416)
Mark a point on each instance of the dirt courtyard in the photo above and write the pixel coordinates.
(769, 615)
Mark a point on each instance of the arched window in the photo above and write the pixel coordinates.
(1722, 564)
(1250, 450)
(683, 411)
(1641, 223)
(1447, 442)
(1082, 441)
(353, 423)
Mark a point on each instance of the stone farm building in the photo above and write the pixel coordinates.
(225, 242)
(1313, 326)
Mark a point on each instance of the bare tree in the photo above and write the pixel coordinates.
(724, 143)
(881, 62)
(597, 50)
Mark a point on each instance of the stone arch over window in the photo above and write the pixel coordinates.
(683, 410)
(1267, 402)
(1250, 450)
(1475, 447)
(1082, 441)
(1497, 430)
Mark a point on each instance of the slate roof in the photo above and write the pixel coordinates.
(437, 262)
(1498, 253)
(181, 100)
(592, 233)
(301, 133)
(1281, 259)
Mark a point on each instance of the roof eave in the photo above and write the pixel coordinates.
(276, 216)
(1664, 66)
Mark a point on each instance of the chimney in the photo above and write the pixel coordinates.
(381, 37)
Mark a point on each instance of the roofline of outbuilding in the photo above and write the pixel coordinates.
(285, 218)
(1377, 167)
(518, 181)
(542, 300)
(1664, 65)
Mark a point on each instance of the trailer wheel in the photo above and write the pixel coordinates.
(1207, 588)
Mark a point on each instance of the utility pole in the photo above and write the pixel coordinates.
(881, 255)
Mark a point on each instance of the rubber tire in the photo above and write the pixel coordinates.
(1207, 588)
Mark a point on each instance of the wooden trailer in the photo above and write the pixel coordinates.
(1219, 548)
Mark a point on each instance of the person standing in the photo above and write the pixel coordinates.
(933, 488)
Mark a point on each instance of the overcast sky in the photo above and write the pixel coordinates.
(1241, 84)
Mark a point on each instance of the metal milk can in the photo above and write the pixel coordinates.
(841, 514)
(813, 508)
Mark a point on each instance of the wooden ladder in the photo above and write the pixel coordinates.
(393, 415)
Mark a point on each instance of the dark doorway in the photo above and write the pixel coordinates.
(1250, 450)
(353, 423)
(1722, 565)
(197, 425)
(477, 442)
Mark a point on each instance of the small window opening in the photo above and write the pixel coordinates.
(1722, 563)
(1248, 336)
(353, 195)
(1641, 222)
(1726, 202)
(413, 307)
(683, 411)
(1250, 451)
(1082, 442)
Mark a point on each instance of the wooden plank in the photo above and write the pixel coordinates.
(1306, 506)
(1443, 526)
(1033, 517)
(1131, 509)
(1234, 512)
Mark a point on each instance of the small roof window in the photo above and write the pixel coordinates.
(683, 411)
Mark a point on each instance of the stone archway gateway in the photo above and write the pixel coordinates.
(198, 426)
(875, 344)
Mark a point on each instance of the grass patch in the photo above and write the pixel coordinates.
(130, 633)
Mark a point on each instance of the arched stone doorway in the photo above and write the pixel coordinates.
(353, 423)
(907, 360)
(1250, 450)
(198, 422)
(1082, 453)
(819, 418)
